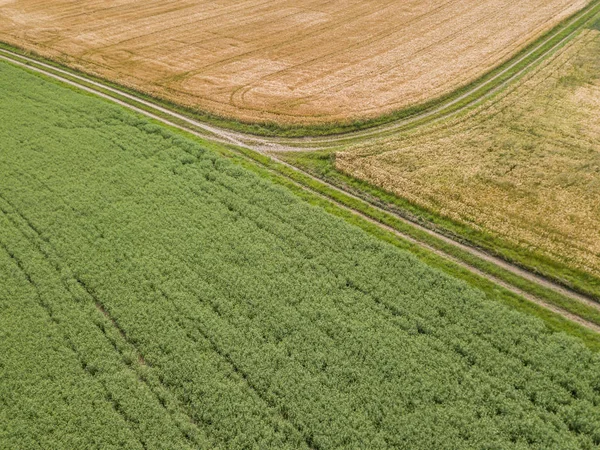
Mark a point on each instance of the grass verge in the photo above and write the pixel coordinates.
(297, 182)
(321, 165)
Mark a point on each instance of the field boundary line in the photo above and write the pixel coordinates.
(473, 269)
(225, 138)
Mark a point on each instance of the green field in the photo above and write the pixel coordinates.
(156, 295)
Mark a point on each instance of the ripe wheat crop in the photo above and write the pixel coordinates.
(301, 62)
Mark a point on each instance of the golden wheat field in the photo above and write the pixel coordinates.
(301, 61)
(525, 167)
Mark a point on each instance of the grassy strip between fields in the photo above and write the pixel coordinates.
(566, 27)
(553, 320)
(321, 165)
(290, 178)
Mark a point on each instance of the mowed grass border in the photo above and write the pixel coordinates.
(274, 129)
(320, 194)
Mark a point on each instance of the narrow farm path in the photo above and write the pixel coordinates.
(215, 134)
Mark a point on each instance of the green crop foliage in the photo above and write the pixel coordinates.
(157, 295)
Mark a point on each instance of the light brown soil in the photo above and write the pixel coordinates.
(288, 61)
(525, 167)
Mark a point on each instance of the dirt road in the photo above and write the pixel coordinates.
(209, 132)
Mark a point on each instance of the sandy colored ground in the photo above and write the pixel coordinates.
(526, 167)
(301, 61)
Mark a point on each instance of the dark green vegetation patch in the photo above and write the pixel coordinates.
(155, 295)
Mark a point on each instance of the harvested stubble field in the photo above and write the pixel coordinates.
(155, 295)
(525, 167)
(290, 62)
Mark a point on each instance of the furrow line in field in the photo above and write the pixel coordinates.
(239, 371)
(100, 307)
(56, 322)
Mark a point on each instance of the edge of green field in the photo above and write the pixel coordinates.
(272, 171)
(290, 178)
(274, 129)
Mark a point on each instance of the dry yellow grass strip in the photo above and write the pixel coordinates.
(298, 61)
(526, 167)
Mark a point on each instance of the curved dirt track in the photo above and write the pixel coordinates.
(223, 136)
(455, 105)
